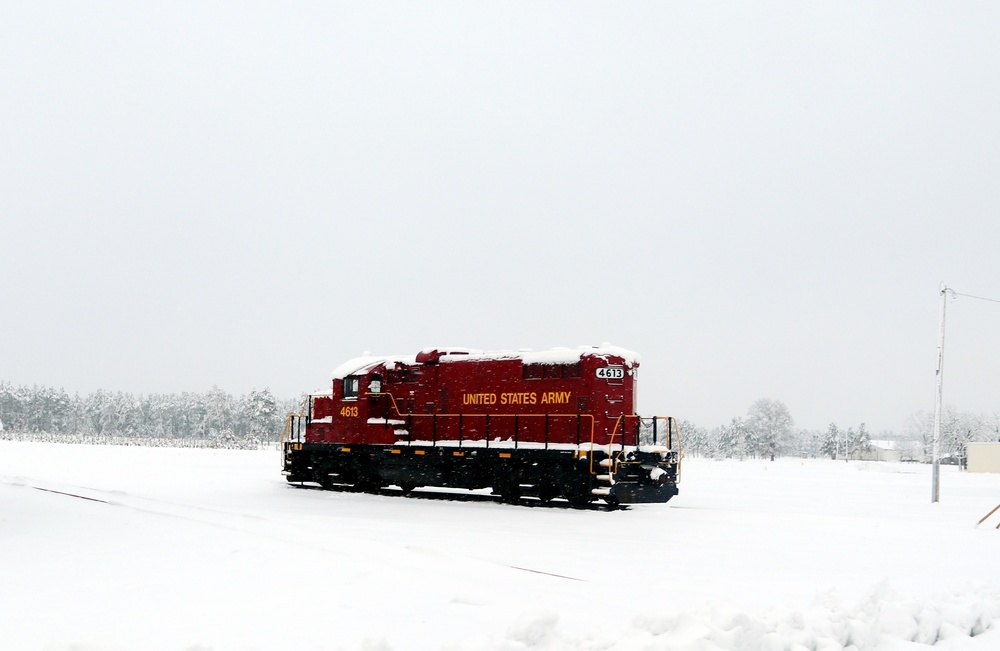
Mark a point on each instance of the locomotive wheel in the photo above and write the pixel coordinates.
(508, 489)
(579, 495)
(368, 484)
(547, 492)
(576, 487)
(511, 495)
(407, 487)
(507, 484)
(324, 479)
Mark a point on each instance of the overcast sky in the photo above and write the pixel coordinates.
(759, 198)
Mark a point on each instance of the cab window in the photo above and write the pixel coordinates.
(350, 388)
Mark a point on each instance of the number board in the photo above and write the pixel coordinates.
(611, 373)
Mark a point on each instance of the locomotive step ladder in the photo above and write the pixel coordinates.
(603, 478)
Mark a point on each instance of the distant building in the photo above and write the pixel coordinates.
(882, 451)
(984, 457)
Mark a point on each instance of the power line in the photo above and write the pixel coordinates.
(980, 298)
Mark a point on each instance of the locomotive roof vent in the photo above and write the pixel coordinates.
(433, 355)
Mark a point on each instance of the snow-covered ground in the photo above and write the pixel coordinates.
(187, 550)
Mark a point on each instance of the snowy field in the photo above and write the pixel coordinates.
(198, 550)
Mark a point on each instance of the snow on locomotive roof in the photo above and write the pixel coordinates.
(553, 356)
(455, 354)
(352, 366)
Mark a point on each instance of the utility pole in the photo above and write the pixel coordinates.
(936, 447)
(936, 458)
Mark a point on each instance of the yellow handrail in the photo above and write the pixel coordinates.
(286, 432)
(680, 448)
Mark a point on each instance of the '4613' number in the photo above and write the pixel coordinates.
(349, 412)
(611, 373)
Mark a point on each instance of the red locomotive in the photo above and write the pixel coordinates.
(552, 424)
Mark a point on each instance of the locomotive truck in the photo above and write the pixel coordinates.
(546, 424)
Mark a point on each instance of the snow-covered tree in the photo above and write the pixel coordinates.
(62, 411)
(831, 442)
(263, 420)
(958, 430)
(809, 442)
(733, 439)
(859, 442)
(920, 427)
(991, 427)
(696, 440)
(220, 409)
(769, 428)
(128, 415)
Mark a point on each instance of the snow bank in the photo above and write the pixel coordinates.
(882, 617)
(882, 620)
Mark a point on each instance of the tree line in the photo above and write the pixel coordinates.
(767, 431)
(215, 417)
(958, 429)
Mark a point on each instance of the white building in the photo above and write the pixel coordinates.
(883, 451)
(984, 457)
